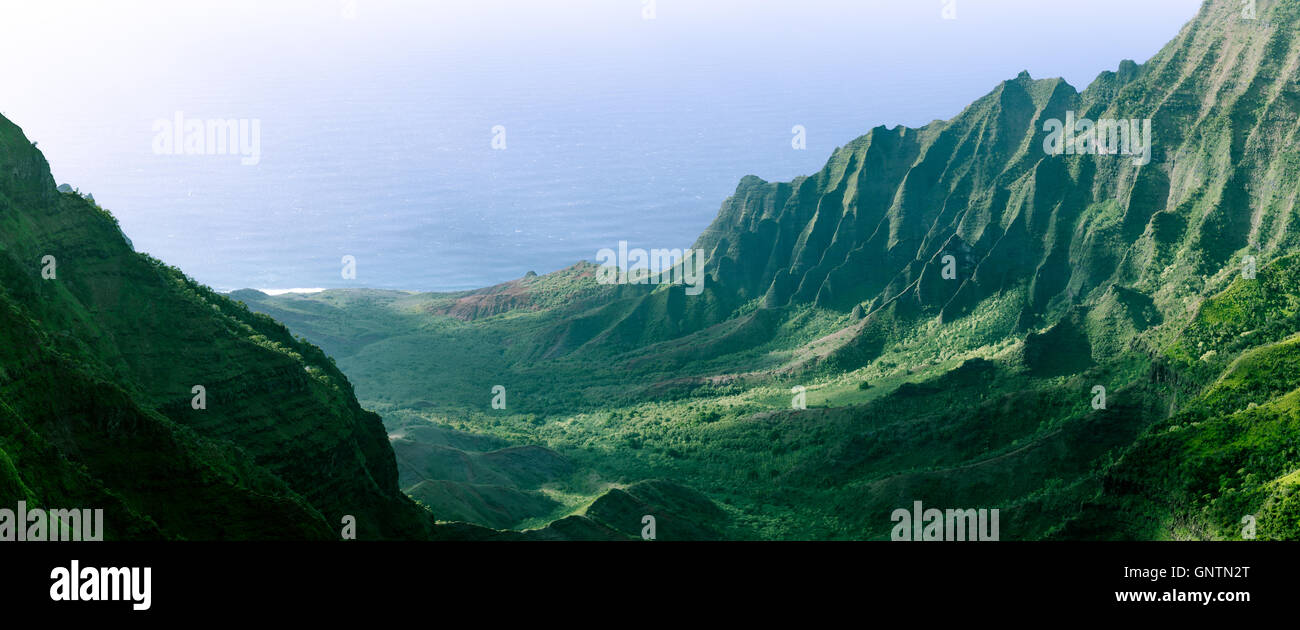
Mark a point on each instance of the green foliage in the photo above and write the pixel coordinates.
(829, 373)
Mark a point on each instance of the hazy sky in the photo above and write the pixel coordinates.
(125, 53)
(340, 79)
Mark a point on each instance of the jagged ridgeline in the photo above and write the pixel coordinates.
(1088, 258)
(1046, 234)
(1092, 333)
(100, 351)
(1088, 331)
(1058, 232)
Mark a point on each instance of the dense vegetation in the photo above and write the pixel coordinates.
(1095, 347)
(1168, 288)
(101, 350)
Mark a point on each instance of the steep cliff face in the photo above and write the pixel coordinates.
(1211, 181)
(101, 350)
(1099, 342)
(874, 224)
(984, 284)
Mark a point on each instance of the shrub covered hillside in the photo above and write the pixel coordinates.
(101, 350)
(1100, 343)
(1096, 342)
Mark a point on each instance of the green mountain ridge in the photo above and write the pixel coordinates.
(1073, 272)
(1098, 349)
(101, 349)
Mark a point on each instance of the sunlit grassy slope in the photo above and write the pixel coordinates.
(954, 303)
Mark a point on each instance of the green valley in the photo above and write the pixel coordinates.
(1097, 346)
(950, 314)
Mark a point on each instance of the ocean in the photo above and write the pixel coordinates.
(455, 148)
